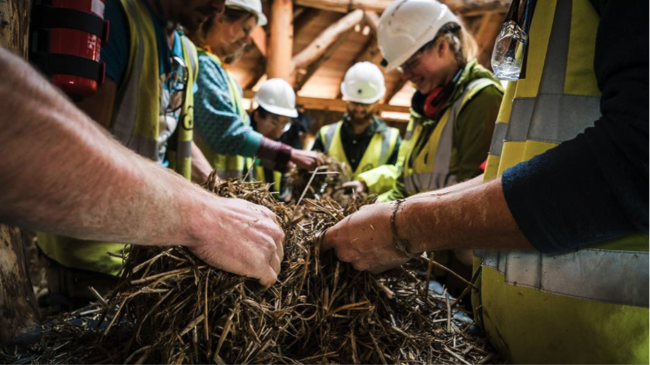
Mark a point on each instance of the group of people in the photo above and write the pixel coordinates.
(542, 187)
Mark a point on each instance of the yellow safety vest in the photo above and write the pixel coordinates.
(136, 125)
(227, 166)
(429, 170)
(583, 306)
(379, 150)
(255, 172)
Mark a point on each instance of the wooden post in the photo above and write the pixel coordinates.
(280, 41)
(14, 25)
(18, 307)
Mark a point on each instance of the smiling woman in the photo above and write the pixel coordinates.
(223, 127)
(454, 107)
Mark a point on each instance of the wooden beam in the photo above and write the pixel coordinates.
(372, 19)
(258, 72)
(319, 46)
(390, 94)
(457, 6)
(281, 40)
(18, 303)
(301, 79)
(332, 104)
(259, 39)
(301, 22)
(370, 53)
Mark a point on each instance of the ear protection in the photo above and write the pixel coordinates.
(440, 95)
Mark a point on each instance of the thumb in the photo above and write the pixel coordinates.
(268, 278)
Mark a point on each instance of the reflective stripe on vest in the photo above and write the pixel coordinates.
(136, 119)
(135, 124)
(379, 150)
(227, 166)
(255, 172)
(438, 177)
(583, 306)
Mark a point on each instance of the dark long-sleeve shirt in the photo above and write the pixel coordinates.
(595, 187)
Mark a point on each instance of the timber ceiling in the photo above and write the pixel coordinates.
(329, 36)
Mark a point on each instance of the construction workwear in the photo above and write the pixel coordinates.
(407, 25)
(583, 306)
(252, 6)
(444, 149)
(255, 172)
(381, 147)
(277, 96)
(363, 83)
(427, 169)
(136, 124)
(227, 166)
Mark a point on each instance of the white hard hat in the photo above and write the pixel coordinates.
(407, 25)
(252, 6)
(363, 83)
(276, 96)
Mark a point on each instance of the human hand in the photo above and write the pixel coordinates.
(307, 159)
(240, 237)
(365, 240)
(357, 186)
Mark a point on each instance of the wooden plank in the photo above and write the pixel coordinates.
(327, 38)
(302, 78)
(280, 43)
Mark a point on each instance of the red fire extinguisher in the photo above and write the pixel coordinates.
(66, 41)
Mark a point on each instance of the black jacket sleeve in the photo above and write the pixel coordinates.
(595, 187)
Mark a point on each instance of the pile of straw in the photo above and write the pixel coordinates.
(323, 181)
(172, 308)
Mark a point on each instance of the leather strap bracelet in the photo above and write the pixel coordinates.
(400, 244)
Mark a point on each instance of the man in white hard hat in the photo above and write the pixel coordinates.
(276, 107)
(361, 140)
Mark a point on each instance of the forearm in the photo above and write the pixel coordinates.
(201, 168)
(474, 218)
(469, 184)
(94, 188)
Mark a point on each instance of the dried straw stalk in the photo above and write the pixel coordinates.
(172, 308)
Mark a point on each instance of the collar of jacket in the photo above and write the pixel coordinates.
(472, 71)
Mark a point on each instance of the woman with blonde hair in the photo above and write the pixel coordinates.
(223, 130)
(453, 110)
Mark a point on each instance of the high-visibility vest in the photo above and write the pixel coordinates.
(227, 166)
(378, 152)
(582, 306)
(255, 172)
(136, 125)
(429, 169)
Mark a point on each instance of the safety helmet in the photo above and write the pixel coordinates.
(276, 96)
(363, 83)
(252, 6)
(407, 25)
